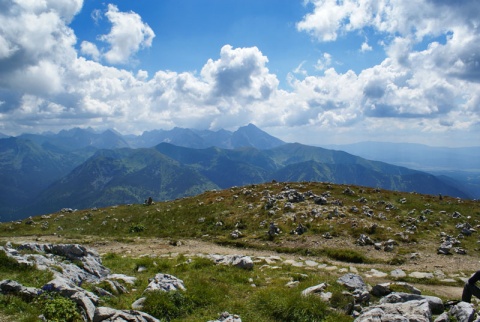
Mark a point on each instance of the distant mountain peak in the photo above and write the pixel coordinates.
(252, 136)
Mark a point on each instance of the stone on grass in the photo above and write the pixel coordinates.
(166, 283)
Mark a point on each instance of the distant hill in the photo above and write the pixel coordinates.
(416, 156)
(44, 173)
(457, 166)
(121, 176)
(167, 172)
(26, 169)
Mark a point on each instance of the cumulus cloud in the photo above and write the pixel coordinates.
(432, 69)
(429, 80)
(240, 72)
(324, 62)
(128, 34)
(365, 47)
(90, 49)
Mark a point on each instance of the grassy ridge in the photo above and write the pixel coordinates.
(213, 215)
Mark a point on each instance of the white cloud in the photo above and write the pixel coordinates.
(240, 73)
(435, 84)
(128, 34)
(365, 47)
(324, 62)
(436, 89)
(90, 49)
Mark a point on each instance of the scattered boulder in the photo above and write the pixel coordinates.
(166, 283)
(239, 261)
(111, 315)
(380, 290)
(236, 234)
(227, 317)
(418, 311)
(317, 289)
(462, 312)
(364, 240)
(352, 282)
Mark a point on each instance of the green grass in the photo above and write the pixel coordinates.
(212, 216)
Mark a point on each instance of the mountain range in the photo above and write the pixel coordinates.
(80, 168)
(460, 164)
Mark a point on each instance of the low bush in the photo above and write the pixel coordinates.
(56, 308)
(168, 305)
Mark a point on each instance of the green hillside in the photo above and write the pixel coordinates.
(335, 216)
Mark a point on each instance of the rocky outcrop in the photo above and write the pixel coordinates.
(353, 282)
(9, 287)
(106, 314)
(71, 264)
(462, 312)
(84, 264)
(418, 311)
(435, 303)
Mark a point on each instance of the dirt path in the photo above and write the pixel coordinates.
(425, 262)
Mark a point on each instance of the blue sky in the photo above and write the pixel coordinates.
(315, 72)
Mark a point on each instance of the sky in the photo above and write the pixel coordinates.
(310, 71)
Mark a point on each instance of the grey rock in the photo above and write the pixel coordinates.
(138, 304)
(85, 303)
(67, 289)
(102, 292)
(435, 303)
(364, 240)
(239, 261)
(314, 289)
(53, 256)
(227, 317)
(10, 286)
(15, 288)
(380, 290)
(444, 317)
(361, 296)
(411, 311)
(126, 279)
(412, 289)
(352, 282)
(166, 283)
(445, 248)
(463, 312)
(106, 314)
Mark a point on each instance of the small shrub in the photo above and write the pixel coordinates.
(138, 228)
(57, 308)
(168, 305)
